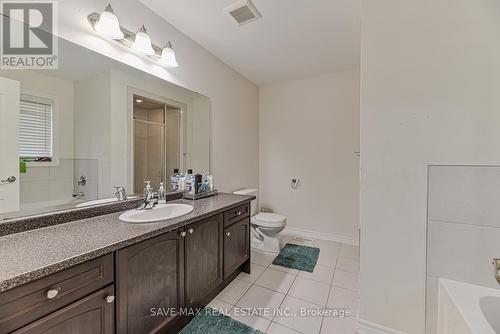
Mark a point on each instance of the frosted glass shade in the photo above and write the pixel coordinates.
(168, 57)
(142, 42)
(108, 25)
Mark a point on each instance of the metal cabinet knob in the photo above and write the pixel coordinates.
(191, 230)
(182, 234)
(52, 293)
(110, 299)
(228, 234)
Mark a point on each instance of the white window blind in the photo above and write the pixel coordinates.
(35, 127)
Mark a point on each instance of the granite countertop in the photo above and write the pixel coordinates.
(33, 254)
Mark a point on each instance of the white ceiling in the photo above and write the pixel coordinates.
(295, 38)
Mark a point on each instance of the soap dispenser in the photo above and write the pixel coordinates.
(147, 189)
(161, 193)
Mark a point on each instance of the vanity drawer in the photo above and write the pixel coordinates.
(236, 214)
(22, 305)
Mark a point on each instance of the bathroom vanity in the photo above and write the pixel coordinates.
(100, 275)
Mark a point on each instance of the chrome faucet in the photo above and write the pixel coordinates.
(121, 193)
(150, 201)
(496, 263)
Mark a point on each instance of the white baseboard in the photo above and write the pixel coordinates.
(320, 235)
(367, 327)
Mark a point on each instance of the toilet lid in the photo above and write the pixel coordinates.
(270, 218)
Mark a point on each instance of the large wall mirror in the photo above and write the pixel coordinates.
(68, 136)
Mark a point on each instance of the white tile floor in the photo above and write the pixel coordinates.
(333, 285)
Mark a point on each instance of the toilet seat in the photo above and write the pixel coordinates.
(269, 220)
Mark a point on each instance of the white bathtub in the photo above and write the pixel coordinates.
(467, 309)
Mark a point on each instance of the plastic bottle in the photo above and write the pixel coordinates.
(210, 183)
(190, 182)
(174, 180)
(182, 182)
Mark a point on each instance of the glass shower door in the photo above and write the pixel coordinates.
(149, 154)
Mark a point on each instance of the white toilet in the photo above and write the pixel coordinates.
(264, 226)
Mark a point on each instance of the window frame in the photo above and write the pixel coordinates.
(55, 128)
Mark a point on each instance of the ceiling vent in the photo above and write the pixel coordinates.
(243, 12)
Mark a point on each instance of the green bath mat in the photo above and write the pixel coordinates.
(209, 321)
(298, 257)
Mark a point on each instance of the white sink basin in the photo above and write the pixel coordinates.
(158, 213)
(101, 201)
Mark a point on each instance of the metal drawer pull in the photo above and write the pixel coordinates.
(238, 213)
(52, 293)
(10, 179)
(228, 234)
(182, 234)
(191, 231)
(110, 299)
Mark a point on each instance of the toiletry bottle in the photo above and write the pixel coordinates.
(190, 182)
(161, 193)
(198, 183)
(174, 180)
(147, 189)
(182, 182)
(210, 183)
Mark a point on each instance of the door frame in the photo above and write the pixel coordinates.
(131, 91)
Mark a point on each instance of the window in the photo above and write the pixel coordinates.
(36, 129)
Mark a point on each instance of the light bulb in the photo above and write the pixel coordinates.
(108, 24)
(142, 42)
(168, 56)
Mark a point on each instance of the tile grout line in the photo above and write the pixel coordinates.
(331, 286)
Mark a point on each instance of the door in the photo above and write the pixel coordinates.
(149, 284)
(236, 246)
(9, 145)
(93, 314)
(203, 247)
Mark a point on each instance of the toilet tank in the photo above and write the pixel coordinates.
(250, 192)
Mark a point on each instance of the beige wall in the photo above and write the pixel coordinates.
(234, 99)
(309, 130)
(430, 82)
(93, 120)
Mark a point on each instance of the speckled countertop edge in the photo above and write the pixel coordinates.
(31, 255)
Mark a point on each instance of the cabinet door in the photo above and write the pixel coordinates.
(149, 284)
(93, 314)
(203, 247)
(236, 245)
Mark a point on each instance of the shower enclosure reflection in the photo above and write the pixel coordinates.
(157, 128)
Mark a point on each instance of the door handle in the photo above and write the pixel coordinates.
(10, 179)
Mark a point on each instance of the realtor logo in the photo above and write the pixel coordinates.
(28, 36)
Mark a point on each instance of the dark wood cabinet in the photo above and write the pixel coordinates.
(236, 214)
(152, 280)
(24, 304)
(93, 314)
(149, 283)
(203, 254)
(236, 245)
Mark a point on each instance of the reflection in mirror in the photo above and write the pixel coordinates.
(74, 133)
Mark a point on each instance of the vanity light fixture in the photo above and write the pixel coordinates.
(142, 42)
(168, 56)
(108, 24)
